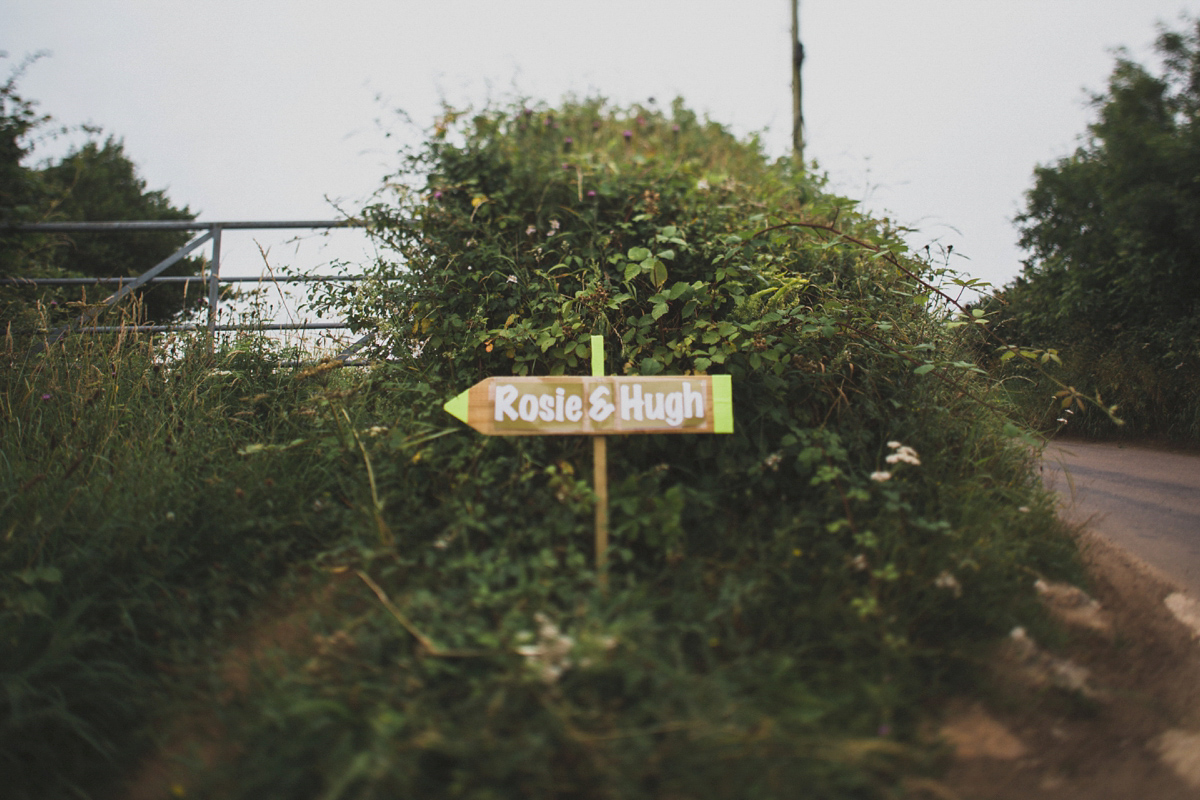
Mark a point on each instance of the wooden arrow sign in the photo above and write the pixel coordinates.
(597, 405)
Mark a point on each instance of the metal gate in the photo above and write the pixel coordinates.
(86, 323)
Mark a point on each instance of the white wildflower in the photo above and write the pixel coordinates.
(375, 430)
(512, 278)
(702, 185)
(859, 563)
(531, 230)
(553, 228)
(948, 581)
(772, 461)
(550, 656)
(903, 454)
(1024, 509)
(880, 476)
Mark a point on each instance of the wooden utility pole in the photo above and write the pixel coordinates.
(797, 63)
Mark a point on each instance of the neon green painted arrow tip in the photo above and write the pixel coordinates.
(457, 406)
(722, 390)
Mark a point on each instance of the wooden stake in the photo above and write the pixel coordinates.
(600, 478)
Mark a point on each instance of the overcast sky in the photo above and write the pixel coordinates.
(934, 112)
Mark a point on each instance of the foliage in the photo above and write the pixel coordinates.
(781, 598)
(96, 182)
(133, 532)
(782, 601)
(1112, 279)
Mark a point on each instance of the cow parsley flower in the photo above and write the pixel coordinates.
(903, 454)
(948, 581)
(550, 655)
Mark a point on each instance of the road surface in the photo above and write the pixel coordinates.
(1145, 500)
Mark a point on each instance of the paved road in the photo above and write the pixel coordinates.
(1147, 501)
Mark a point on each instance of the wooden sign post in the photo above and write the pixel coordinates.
(598, 406)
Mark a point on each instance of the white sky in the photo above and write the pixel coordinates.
(933, 111)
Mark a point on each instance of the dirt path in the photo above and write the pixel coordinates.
(1116, 713)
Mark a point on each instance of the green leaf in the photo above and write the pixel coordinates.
(651, 366)
(658, 272)
(632, 270)
(660, 308)
(638, 254)
(921, 370)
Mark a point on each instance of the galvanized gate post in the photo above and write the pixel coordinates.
(214, 289)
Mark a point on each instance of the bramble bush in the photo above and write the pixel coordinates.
(780, 599)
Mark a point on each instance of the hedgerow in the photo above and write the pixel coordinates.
(780, 599)
(782, 602)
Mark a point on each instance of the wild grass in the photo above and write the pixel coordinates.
(132, 533)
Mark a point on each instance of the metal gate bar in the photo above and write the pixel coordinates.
(86, 321)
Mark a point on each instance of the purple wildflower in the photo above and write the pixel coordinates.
(591, 192)
(628, 134)
(437, 195)
(675, 128)
(567, 142)
(46, 397)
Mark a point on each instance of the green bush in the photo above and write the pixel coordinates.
(1111, 281)
(778, 606)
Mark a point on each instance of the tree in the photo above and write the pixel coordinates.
(20, 187)
(100, 183)
(1114, 228)
(96, 182)
(1113, 231)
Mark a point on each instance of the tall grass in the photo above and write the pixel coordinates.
(132, 532)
